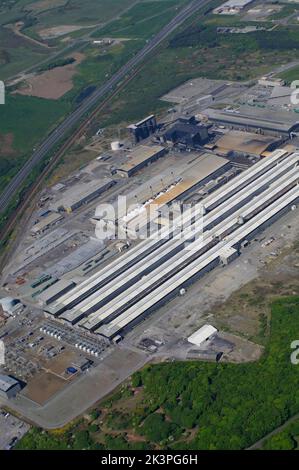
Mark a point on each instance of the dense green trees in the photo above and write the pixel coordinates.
(282, 441)
(207, 36)
(286, 439)
(35, 439)
(119, 421)
(233, 405)
(156, 428)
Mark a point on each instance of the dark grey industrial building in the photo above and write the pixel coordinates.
(9, 386)
(264, 120)
(187, 132)
(143, 129)
(80, 194)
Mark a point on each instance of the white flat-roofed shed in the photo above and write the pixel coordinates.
(202, 335)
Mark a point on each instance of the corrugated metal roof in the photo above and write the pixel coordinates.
(201, 335)
(196, 266)
(280, 121)
(7, 382)
(139, 250)
(141, 154)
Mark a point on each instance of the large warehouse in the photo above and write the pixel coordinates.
(132, 286)
(246, 143)
(204, 168)
(140, 157)
(9, 387)
(80, 194)
(280, 123)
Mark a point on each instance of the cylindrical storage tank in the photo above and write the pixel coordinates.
(115, 145)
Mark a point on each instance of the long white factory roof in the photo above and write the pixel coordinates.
(196, 266)
(154, 257)
(278, 176)
(220, 195)
(241, 180)
(174, 262)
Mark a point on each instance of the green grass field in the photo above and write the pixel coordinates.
(143, 20)
(98, 65)
(17, 53)
(27, 120)
(286, 11)
(290, 75)
(57, 12)
(194, 51)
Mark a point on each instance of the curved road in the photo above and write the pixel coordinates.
(56, 136)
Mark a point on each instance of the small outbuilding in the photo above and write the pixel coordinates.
(9, 387)
(82, 364)
(202, 335)
(10, 305)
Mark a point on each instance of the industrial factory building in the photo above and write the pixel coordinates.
(203, 169)
(140, 157)
(46, 222)
(263, 120)
(80, 194)
(114, 299)
(55, 291)
(187, 132)
(231, 7)
(246, 143)
(143, 129)
(9, 387)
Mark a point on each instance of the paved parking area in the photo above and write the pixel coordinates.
(11, 430)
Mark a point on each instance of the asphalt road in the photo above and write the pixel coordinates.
(74, 118)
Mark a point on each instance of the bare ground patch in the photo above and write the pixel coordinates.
(57, 31)
(43, 386)
(52, 84)
(17, 30)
